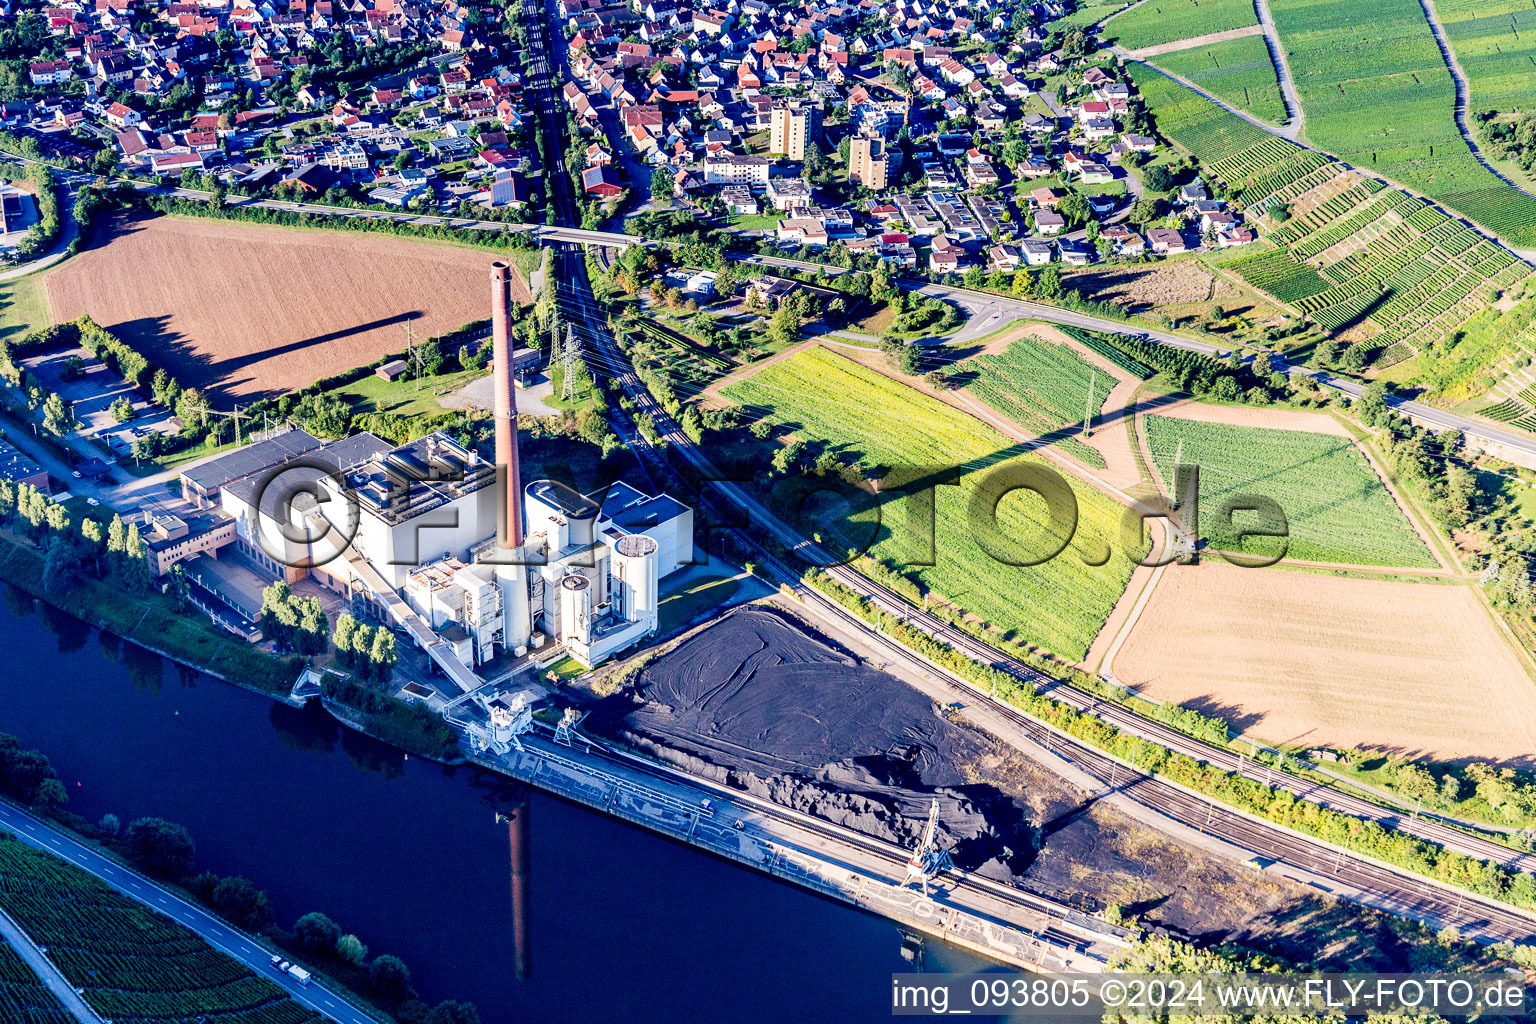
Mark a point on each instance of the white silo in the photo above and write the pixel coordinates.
(635, 576)
(576, 610)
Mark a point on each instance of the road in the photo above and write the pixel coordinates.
(217, 933)
(47, 973)
(1293, 108)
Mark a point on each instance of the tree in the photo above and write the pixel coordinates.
(341, 637)
(351, 949)
(815, 164)
(122, 410)
(56, 418)
(317, 932)
(1048, 284)
(661, 183)
(784, 328)
(1160, 178)
(51, 794)
(61, 567)
(241, 902)
(910, 360)
(454, 1012)
(382, 655)
(162, 846)
(389, 978)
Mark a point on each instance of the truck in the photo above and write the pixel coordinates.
(299, 974)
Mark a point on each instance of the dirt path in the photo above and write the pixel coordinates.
(1194, 41)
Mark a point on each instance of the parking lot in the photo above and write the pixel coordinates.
(91, 394)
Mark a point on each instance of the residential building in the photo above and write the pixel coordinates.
(867, 162)
(792, 125)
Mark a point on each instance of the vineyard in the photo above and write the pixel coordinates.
(1362, 251)
(1045, 389)
(1495, 44)
(23, 998)
(1238, 71)
(1336, 507)
(1279, 275)
(130, 963)
(1163, 21)
(890, 429)
(1377, 93)
(1195, 123)
(1099, 343)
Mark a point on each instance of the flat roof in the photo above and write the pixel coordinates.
(253, 458)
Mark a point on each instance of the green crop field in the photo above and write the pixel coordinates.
(1194, 123)
(1238, 71)
(1376, 93)
(891, 430)
(23, 998)
(1336, 507)
(129, 962)
(1044, 388)
(1495, 44)
(1279, 275)
(1163, 21)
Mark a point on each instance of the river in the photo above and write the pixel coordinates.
(407, 854)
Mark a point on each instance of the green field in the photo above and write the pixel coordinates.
(1044, 388)
(1336, 507)
(1376, 92)
(405, 397)
(130, 962)
(23, 998)
(899, 435)
(1163, 21)
(1495, 44)
(1238, 71)
(1380, 254)
(23, 306)
(1089, 12)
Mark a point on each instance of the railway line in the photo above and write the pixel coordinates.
(1371, 882)
(1356, 876)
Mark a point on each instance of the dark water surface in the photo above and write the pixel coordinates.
(624, 926)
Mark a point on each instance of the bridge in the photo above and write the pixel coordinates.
(582, 236)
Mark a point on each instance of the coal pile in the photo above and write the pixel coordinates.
(761, 704)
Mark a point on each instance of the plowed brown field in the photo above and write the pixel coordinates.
(1295, 657)
(246, 310)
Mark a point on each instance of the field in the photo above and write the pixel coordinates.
(1384, 256)
(129, 962)
(1044, 388)
(245, 311)
(1237, 70)
(23, 998)
(1495, 44)
(1278, 274)
(1336, 507)
(833, 404)
(1315, 660)
(1377, 94)
(1163, 21)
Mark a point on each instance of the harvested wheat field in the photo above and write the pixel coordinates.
(246, 310)
(1294, 657)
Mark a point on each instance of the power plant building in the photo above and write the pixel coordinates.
(453, 547)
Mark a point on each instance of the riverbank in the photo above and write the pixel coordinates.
(149, 620)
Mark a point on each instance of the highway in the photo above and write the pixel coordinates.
(216, 932)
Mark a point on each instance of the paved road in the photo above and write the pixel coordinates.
(1293, 107)
(217, 933)
(46, 972)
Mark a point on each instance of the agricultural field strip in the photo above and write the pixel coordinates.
(1237, 70)
(129, 960)
(1043, 387)
(1164, 21)
(24, 999)
(1337, 508)
(1061, 604)
(1495, 45)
